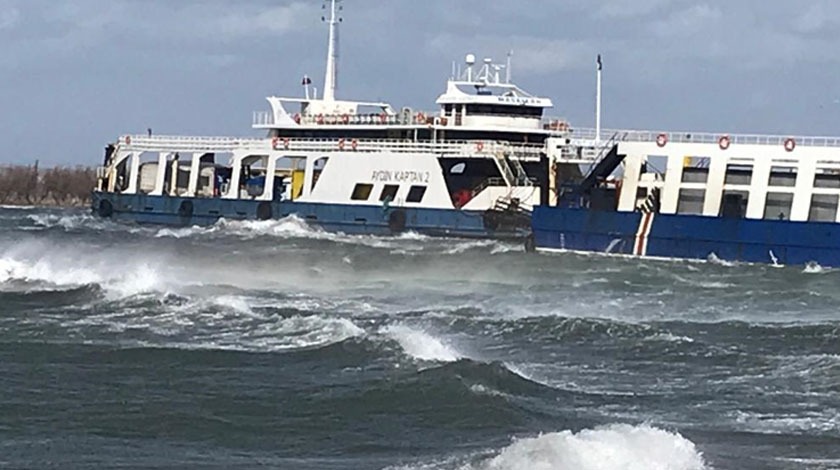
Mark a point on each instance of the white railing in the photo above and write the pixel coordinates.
(266, 119)
(483, 149)
(167, 143)
(263, 118)
(702, 137)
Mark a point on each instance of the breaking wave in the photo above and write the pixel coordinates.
(617, 447)
(421, 345)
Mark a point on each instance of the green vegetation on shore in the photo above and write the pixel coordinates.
(56, 186)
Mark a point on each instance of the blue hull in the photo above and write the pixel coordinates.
(686, 236)
(351, 219)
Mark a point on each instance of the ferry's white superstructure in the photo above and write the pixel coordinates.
(484, 156)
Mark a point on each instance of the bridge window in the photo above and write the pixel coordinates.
(823, 208)
(362, 192)
(504, 110)
(389, 192)
(416, 193)
(782, 176)
(691, 201)
(778, 206)
(738, 174)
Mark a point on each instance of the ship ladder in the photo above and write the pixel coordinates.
(504, 168)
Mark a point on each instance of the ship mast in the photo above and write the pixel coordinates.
(331, 78)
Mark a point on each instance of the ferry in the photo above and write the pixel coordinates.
(474, 168)
(698, 196)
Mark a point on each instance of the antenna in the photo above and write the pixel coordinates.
(306, 82)
(331, 78)
(470, 62)
(508, 72)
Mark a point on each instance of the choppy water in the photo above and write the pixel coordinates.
(272, 345)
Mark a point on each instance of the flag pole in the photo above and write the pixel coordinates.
(598, 100)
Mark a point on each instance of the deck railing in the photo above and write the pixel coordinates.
(688, 137)
(485, 149)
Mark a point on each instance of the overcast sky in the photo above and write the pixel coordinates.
(75, 74)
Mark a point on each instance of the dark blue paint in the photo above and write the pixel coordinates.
(689, 236)
(351, 219)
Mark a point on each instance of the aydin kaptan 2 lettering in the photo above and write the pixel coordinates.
(400, 176)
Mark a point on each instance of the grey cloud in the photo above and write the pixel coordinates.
(99, 68)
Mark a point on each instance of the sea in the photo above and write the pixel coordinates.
(277, 345)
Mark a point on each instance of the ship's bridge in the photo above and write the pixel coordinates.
(483, 98)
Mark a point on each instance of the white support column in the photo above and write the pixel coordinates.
(160, 178)
(309, 169)
(758, 187)
(195, 172)
(112, 170)
(270, 170)
(671, 190)
(801, 207)
(630, 182)
(236, 175)
(714, 186)
(133, 174)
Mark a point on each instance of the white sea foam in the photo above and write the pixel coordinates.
(69, 268)
(183, 232)
(813, 268)
(421, 345)
(463, 247)
(288, 227)
(44, 271)
(612, 447)
(714, 259)
(670, 337)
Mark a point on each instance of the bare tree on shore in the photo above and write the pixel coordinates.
(61, 186)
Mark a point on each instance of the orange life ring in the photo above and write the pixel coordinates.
(790, 144)
(345, 118)
(354, 144)
(479, 146)
(661, 140)
(275, 142)
(341, 144)
(320, 119)
(724, 142)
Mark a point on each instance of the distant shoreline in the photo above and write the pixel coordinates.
(55, 187)
(27, 206)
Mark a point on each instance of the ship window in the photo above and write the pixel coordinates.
(693, 174)
(782, 176)
(691, 201)
(827, 179)
(416, 193)
(734, 204)
(504, 110)
(389, 192)
(458, 169)
(778, 206)
(738, 174)
(823, 208)
(361, 192)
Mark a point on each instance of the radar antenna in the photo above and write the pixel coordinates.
(331, 78)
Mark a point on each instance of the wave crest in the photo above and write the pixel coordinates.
(612, 447)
